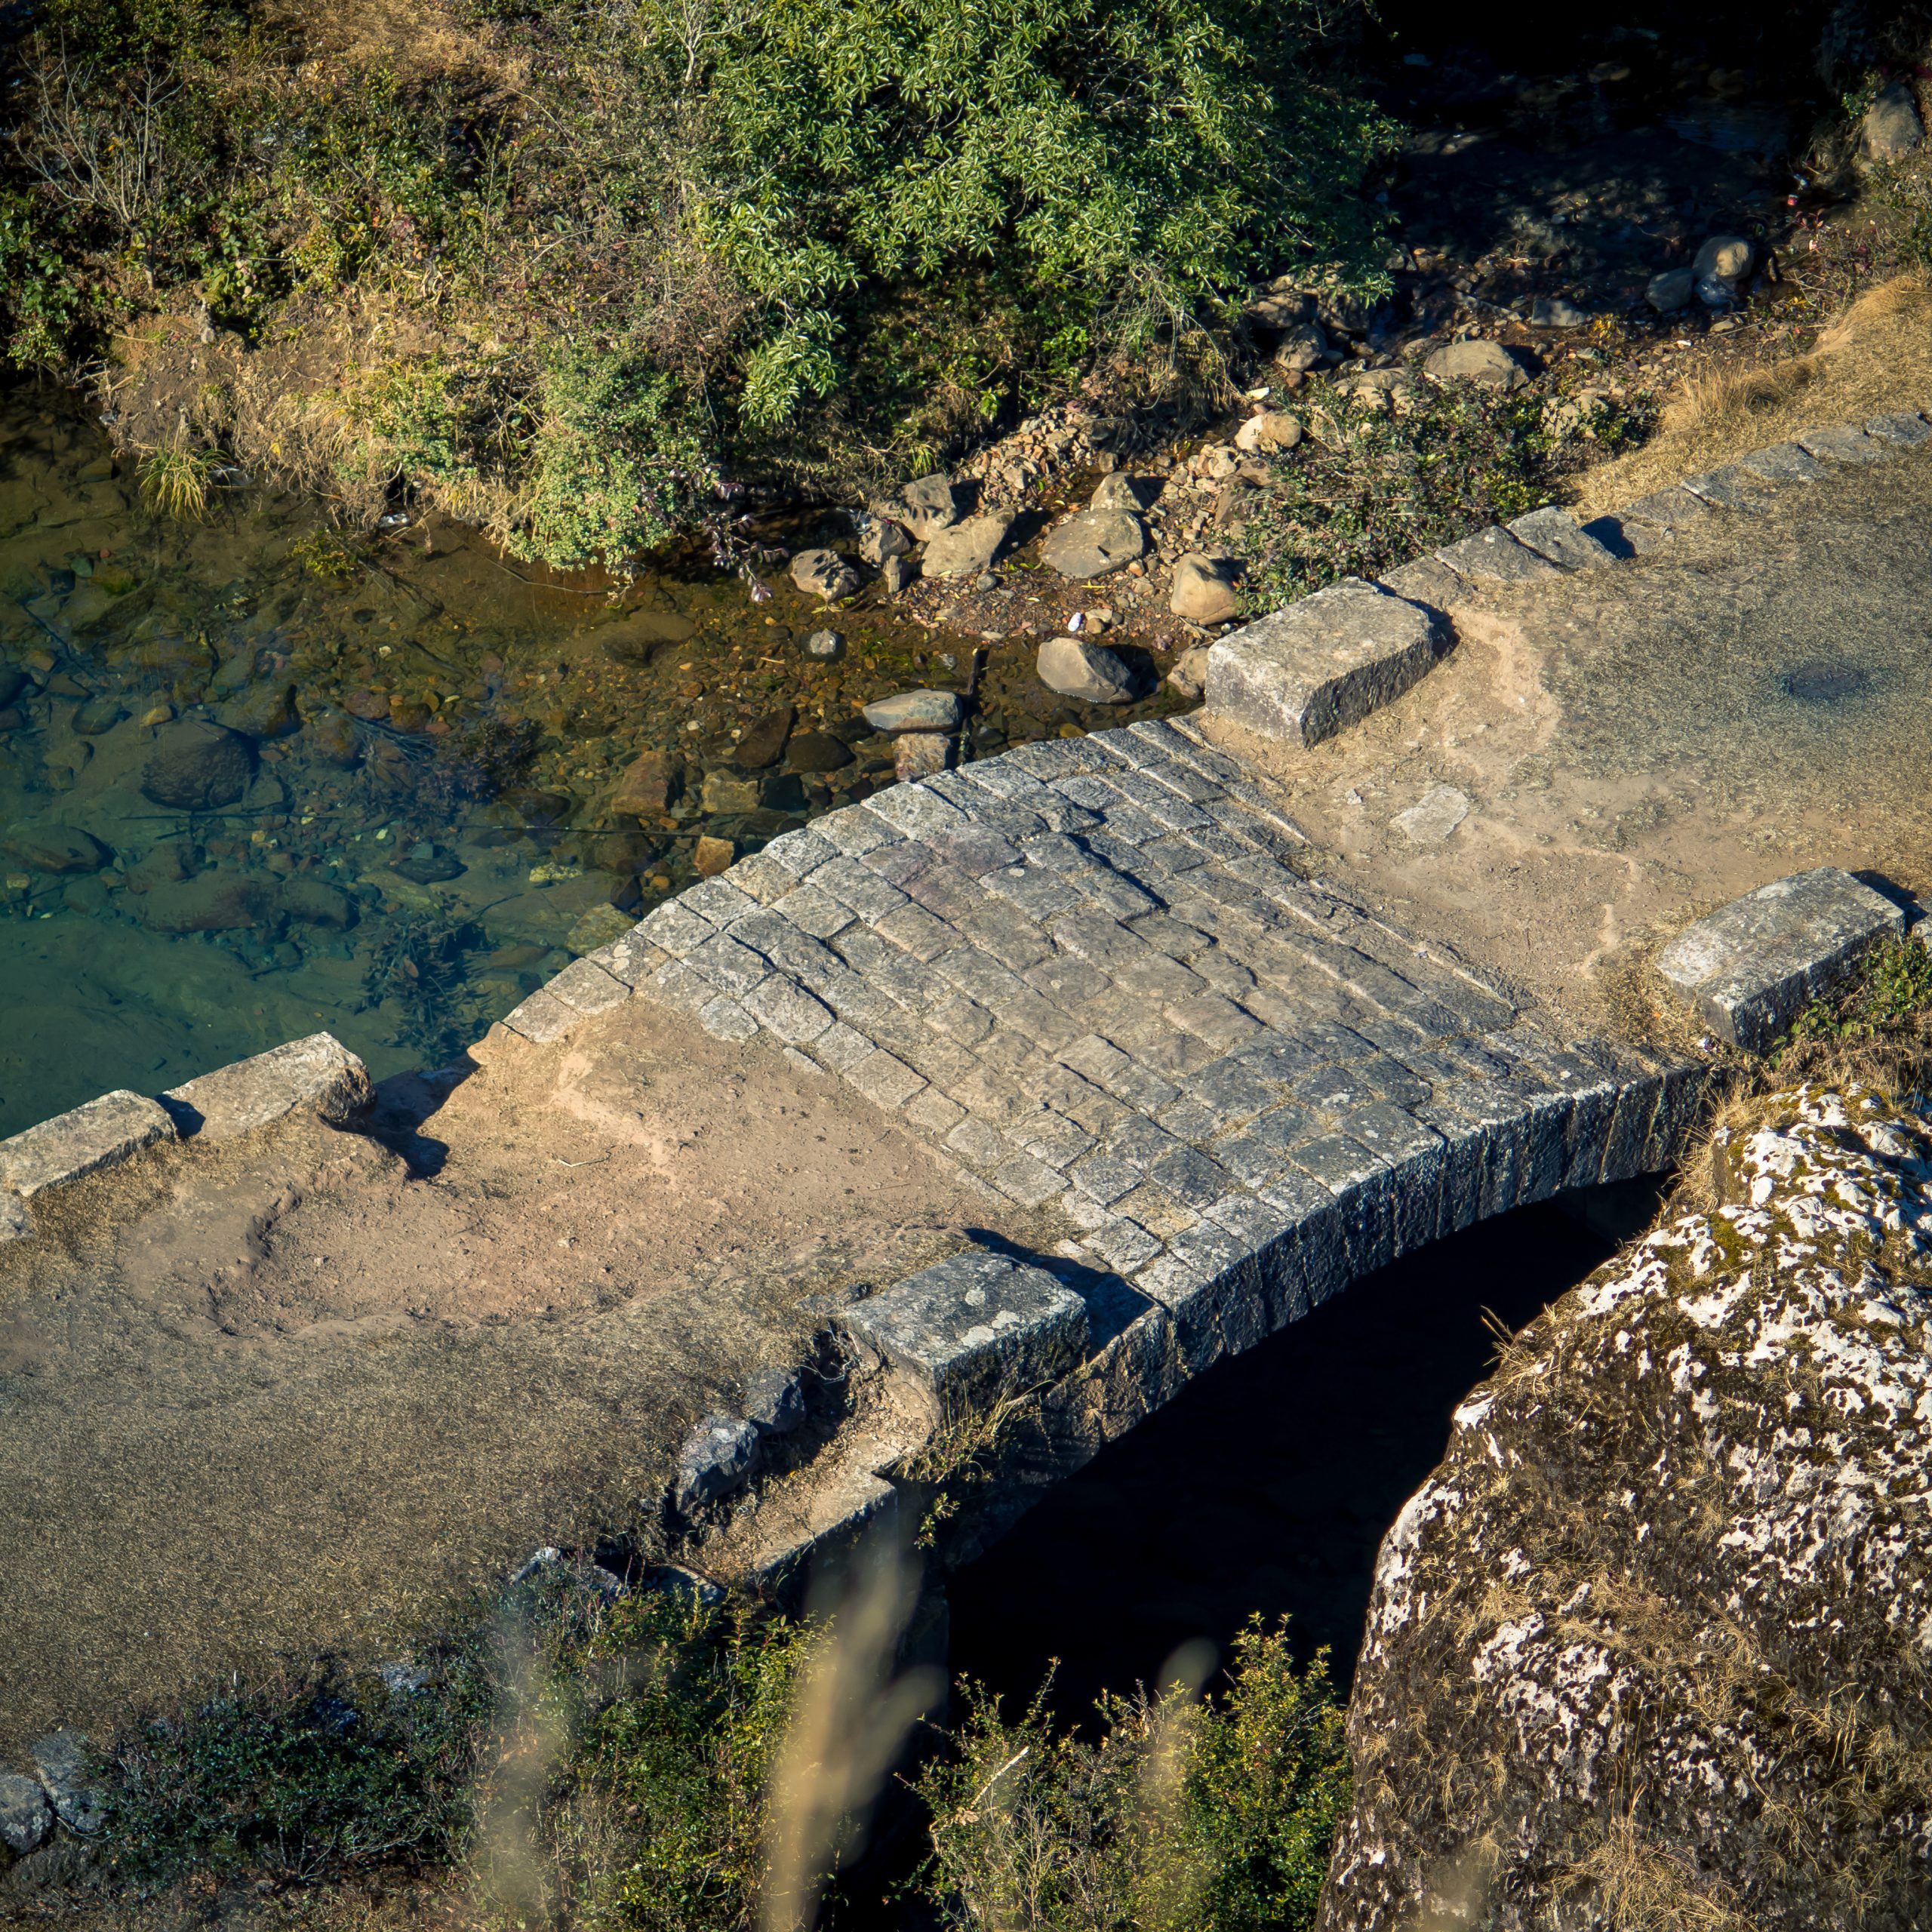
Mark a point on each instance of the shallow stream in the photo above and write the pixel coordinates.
(260, 776)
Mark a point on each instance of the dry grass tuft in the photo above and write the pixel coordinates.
(1877, 356)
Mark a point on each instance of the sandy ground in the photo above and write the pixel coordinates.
(1640, 743)
(284, 1398)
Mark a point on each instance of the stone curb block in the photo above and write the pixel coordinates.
(1753, 967)
(319, 1072)
(974, 1328)
(1312, 669)
(103, 1133)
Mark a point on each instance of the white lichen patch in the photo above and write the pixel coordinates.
(1673, 1579)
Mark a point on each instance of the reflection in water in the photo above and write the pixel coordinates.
(1267, 1486)
(259, 778)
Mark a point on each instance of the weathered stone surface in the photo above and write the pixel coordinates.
(925, 507)
(824, 646)
(1494, 556)
(319, 1074)
(965, 549)
(1891, 128)
(26, 1817)
(775, 1401)
(14, 1224)
(1723, 258)
(1305, 672)
(1487, 364)
(1093, 543)
(1203, 590)
(1612, 1637)
(1671, 290)
(824, 573)
(1118, 490)
(1091, 672)
(103, 1133)
(1556, 534)
(1752, 966)
(1782, 463)
(1732, 487)
(1271, 430)
(1676, 509)
(920, 755)
(1427, 581)
(717, 1458)
(1905, 428)
(881, 538)
(585, 985)
(61, 1760)
(974, 1327)
(915, 711)
(1844, 442)
(542, 1017)
(196, 766)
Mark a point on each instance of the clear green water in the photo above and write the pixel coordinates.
(430, 737)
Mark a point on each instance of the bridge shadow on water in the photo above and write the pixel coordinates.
(1267, 1486)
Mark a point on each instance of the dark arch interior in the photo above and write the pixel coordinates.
(1266, 1486)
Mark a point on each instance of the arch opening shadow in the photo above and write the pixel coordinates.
(1266, 1485)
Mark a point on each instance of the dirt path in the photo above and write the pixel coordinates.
(284, 1398)
(1632, 745)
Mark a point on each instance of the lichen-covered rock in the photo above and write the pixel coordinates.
(1650, 1646)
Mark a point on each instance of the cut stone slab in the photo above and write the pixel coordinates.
(542, 1017)
(1782, 463)
(1753, 966)
(1494, 556)
(965, 549)
(915, 710)
(587, 987)
(102, 1134)
(974, 1327)
(1316, 667)
(1844, 442)
(1556, 534)
(319, 1073)
(1428, 580)
(1731, 487)
(1433, 816)
(1905, 427)
(1676, 509)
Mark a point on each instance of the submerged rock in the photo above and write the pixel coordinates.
(215, 902)
(196, 766)
(824, 573)
(55, 848)
(1658, 1626)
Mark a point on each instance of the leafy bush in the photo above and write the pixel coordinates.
(791, 232)
(1183, 1817)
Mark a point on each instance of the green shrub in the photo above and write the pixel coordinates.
(791, 234)
(1183, 1817)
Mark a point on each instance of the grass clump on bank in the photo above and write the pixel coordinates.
(1185, 1816)
(1371, 491)
(566, 269)
(646, 1763)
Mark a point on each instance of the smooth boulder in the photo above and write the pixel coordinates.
(1488, 365)
(965, 549)
(215, 902)
(1093, 543)
(1671, 290)
(197, 767)
(824, 573)
(915, 711)
(1892, 129)
(1091, 672)
(1272, 430)
(1203, 590)
(924, 507)
(56, 848)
